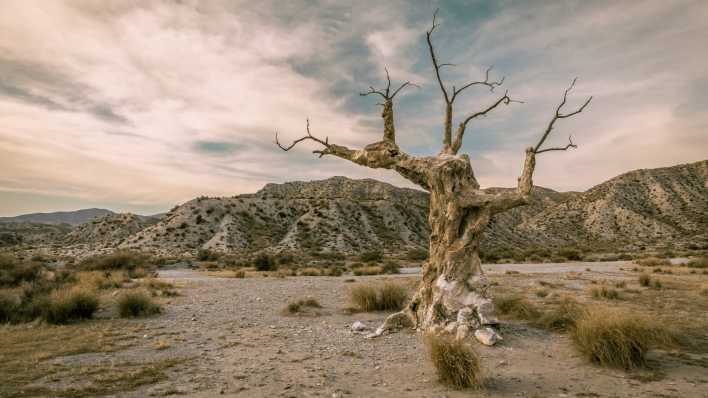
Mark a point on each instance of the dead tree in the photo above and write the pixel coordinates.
(453, 294)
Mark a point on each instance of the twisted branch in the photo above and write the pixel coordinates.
(309, 136)
(558, 115)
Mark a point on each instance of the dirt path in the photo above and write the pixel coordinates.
(243, 347)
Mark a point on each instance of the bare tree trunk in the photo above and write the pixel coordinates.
(453, 294)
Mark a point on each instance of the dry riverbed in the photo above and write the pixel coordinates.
(228, 336)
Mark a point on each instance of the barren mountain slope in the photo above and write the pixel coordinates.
(336, 214)
(109, 230)
(639, 208)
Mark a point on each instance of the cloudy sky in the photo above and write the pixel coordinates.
(139, 105)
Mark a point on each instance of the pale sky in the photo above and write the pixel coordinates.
(141, 105)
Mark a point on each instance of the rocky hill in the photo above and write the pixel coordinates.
(25, 233)
(640, 208)
(59, 217)
(643, 208)
(109, 230)
(334, 214)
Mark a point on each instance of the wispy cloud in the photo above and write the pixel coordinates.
(157, 102)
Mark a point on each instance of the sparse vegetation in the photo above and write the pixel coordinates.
(562, 317)
(68, 305)
(137, 304)
(456, 363)
(653, 262)
(516, 306)
(371, 256)
(417, 254)
(604, 292)
(698, 263)
(374, 270)
(617, 338)
(305, 306)
(377, 296)
(644, 280)
(264, 262)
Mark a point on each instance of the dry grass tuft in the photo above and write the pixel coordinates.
(698, 263)
(603, 292)
(374, 270)
(384, 296)
(69, 305)
(456, 363)
(653, 262)
(304, 306)
(618, 338)
(516, 306)
(644, 280)
(137, 304)
(562, 317)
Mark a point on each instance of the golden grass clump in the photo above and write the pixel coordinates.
(653, 262)
(516, 306)
(562, 317)
(618, 338)
(456, 363)
(384, 296)
(302, 306)
(605, 293)
(701, 262)
(137, 304)
(68, 305)
(373, 270)
(644, 280)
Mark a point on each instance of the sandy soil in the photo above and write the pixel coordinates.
(243, 346)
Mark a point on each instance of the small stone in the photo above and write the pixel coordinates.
(487, 336)
(358, 326)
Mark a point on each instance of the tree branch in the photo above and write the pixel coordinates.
(309, 136)
(558, 115)
(387, 114)
(486, 82)
(457, 143)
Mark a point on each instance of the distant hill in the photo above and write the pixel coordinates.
(643, 208)
(59, 217)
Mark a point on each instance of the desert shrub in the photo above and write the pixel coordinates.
(207, 255)
(334, 271)
(558, 259)
(605, 293)
(571, 254)
(13, 272)
(160, 288)
(417, 254)
(516, 306)
(68, 305)
(302, 306)
(653, 262)
(9, 305)
(617, 338)
(264, 262)
(121, 259)
(542, 293)
(698, 263)
(620, 284)
(390, 267)
(310, 271)
(374, 270)
(136, 304)
(657, 284)
(285, 258)
(644, 280)
(534, 258)
(456, 363)
(371, 256)
(562, 317)
(384, 296)
(239, 274)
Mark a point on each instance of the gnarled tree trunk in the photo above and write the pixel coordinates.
(453, 294)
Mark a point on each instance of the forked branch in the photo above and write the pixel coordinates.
(559, 115)
(309, 136)
(386, 94)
